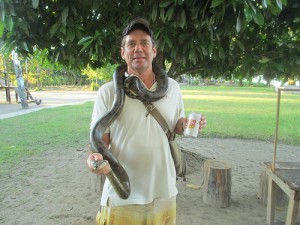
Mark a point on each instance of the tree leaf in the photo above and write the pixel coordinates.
(73, 9)
(170, 13)
(64, 15)
(24, 46)
(239, 22)
(35, 3)
(168, 41)
(193, 186)
(195, 12)
(53, 29)
(296, 20)
(259, 19)
(215, 3)
(1, 29)
(8, 47)
(274, 10)
(165, 4)
(9, 24)
(248, 11)
(70, 34)
(31, 14)
(2, 11)
(180, 2)
(154, 12)
(162, 14)
(78, 33)
(264, 59)
(264, 3)
(181, 19)
(233, 5)
(62, 29)
(279, 4)
(84, 39)
(241, 45)
(284, 2)
(22, 25)
(252, 7)
(96, 5)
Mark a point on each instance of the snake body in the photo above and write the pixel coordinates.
(134, 88)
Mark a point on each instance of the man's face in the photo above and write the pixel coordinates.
(138, 51)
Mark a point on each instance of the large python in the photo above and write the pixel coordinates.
(134, 88)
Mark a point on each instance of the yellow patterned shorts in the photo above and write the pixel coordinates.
(161, 211)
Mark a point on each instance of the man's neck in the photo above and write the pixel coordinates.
(146, 76)
(149, 81)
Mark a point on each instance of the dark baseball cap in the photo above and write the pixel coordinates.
(138, 24)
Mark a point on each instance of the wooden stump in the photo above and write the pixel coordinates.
(217, 183)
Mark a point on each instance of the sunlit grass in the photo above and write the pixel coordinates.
(61, 128)
(248, 113)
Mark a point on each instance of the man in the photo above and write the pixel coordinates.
(139, 142)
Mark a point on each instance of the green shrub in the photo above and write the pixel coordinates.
(94, 86)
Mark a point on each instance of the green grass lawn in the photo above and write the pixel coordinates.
(247, 113)
(56, 128)
(231, 112)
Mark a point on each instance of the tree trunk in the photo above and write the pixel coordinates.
(20, 81)
(173, 69)
(38, 82)
(160, 59)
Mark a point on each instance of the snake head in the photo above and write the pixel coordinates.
(99, 164)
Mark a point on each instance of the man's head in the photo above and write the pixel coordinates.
(138, 47)
(138, 24)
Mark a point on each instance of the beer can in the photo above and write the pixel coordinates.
(193, 124)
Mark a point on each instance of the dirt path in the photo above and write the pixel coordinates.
(50, 99)
(55, 188)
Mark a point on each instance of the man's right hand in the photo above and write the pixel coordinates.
(97, 165)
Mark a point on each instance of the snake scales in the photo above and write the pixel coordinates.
(134, 88)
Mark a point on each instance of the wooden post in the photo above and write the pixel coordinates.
(217, 183)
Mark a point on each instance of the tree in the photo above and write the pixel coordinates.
(39, 66)
(100, 75)
(211, 37)
(275, 46)
(20, 80)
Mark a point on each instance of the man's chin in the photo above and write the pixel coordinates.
(139, 65)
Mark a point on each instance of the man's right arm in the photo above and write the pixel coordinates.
(106, 139)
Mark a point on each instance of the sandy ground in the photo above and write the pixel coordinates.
(55, 187)
(59, 192)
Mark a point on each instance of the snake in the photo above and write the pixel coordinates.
(133, 88)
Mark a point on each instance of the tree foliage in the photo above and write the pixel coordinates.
(100, 74)
(213, 37)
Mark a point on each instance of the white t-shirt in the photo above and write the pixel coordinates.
(140, 145)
